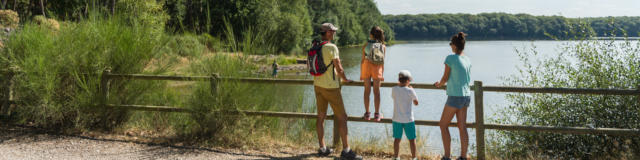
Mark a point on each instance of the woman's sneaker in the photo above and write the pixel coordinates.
(324, 152)
(351, 155)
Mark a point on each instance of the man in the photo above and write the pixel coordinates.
(327, 90)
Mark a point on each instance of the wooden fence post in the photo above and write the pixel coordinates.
(336, 132)
(214, 83)
(479, 109)
(8, 95)
(104, 87)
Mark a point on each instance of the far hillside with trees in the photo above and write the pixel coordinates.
(498, 26)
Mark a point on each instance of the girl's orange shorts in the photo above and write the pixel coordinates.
(370, 70)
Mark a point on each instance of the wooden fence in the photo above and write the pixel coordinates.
(478, 88)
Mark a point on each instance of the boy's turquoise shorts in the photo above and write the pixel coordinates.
(409, 129)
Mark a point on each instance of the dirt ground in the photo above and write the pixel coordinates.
(28, 143)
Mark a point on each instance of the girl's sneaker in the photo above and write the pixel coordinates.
(367, 116)
(377, 116)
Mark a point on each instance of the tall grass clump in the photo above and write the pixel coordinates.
(582, 63)
(59, 71)
(212, 104)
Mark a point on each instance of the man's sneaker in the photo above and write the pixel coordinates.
(351, 155)
(325, 152)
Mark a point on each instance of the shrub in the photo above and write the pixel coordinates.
(60, 72)
(9, 19)
(186, 45)
(148, 13)
(47, 22)
(582, 63)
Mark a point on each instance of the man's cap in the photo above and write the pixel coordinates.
(328, 27)
(404, 73)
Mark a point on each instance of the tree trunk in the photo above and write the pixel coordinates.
(42, 6)
(113, 7)
(4, 4)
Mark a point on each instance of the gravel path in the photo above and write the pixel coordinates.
(24, 143)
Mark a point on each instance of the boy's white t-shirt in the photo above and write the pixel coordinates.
(402, 101)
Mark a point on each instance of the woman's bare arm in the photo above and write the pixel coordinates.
(445, 76)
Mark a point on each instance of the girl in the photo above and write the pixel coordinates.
(456, 76)
(371, 67)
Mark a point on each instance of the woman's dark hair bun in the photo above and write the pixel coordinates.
(459, 40)
(461, 35)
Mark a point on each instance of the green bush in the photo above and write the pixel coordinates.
(9, 19)
(186, 45)
(47, 22)
(582, 63)
(60, 71)
(148, 13)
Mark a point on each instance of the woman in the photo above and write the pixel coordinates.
(456, 76)
(371, 68)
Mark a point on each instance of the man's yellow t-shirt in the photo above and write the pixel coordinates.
(326, 80)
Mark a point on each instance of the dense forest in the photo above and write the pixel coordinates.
(501, 25)
(287, 25)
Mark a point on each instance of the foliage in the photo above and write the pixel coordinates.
(47, 22)
(354, 18)
(9, 19)
(186, 45)
(60, 71)
(500, 25)
(148, 13)
(582, 63)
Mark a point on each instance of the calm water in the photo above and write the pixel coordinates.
(492, 61)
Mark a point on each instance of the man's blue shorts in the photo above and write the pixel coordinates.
(409, 129)
(458, 102)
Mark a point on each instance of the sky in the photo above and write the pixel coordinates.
(567, 8)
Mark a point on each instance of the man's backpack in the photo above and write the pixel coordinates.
(315, 61)
(375, 52)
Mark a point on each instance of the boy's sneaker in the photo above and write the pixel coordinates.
(325, 152)
(445, 158)
(351, 155)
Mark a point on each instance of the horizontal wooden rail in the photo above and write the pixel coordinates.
(386, 84)
(532, 128)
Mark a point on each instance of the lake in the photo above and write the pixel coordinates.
(492, 61)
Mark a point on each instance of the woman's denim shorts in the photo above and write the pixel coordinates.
(458, 102)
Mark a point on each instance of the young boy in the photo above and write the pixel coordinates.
(403, 95)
